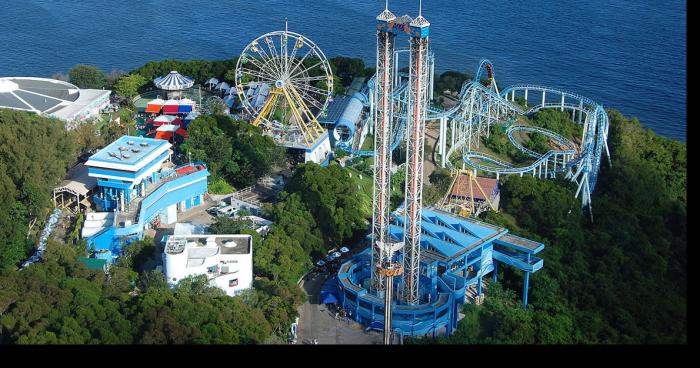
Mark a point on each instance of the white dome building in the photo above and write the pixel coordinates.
(51, 97)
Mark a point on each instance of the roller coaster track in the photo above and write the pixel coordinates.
(482, 106)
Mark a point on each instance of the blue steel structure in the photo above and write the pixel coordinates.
(438, 256)
(136, 187)
(457, 253)
(481, 106)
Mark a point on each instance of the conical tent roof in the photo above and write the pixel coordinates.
(173, 82)
(212, 81)
(164, 119)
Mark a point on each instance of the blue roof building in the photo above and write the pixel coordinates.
(456, 254)
(124, 168)
(137, 181)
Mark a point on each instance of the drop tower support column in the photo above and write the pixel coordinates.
(419, 69)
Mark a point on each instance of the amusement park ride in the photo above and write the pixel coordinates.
(418, 81)
(296, 89)
(285, 83)
(399, 109)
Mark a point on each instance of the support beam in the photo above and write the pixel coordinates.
(562, 102)
(525, 287)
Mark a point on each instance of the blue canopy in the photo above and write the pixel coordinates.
(329, 291)
(330, 299)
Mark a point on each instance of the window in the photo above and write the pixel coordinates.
(232, 282)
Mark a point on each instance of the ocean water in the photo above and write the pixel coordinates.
(626, 54)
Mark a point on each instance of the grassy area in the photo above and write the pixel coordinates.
(220, 186)
(368, 144)
(365, 186)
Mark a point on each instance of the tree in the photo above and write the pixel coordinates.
(331, 197)
(87, 76)
(34, 154)
(88, 138)
(226, 225)
(208, 143)
(128, 85)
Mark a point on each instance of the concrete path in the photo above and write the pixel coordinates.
(317, 322)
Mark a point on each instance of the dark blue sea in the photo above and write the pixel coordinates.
(626, 54)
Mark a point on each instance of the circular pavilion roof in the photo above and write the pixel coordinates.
(174, 81)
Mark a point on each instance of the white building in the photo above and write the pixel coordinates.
(226, 260)
(53, 98)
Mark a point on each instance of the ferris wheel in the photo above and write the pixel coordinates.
(284, 81)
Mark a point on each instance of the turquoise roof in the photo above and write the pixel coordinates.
(447, 234)
(134, 157)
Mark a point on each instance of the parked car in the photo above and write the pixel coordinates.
(226, 211)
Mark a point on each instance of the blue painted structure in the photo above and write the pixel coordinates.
(125, 169)
(346, 124)
(138, 190)
(456, 253)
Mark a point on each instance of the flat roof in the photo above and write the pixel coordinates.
(228, 244)
(128, 153)
(334, 110)
(53, 97)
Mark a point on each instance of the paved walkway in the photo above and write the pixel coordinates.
(316, 322)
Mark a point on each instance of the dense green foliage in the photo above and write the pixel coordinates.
(200, 70)
(128, 85)
(332, 197)
(348, 68)
(538, 142)
(451, 81)
(34, 154)
(60, 301)
(88, 76)
(619, 279)
(498, 142)
(557, 121)
(233, 150)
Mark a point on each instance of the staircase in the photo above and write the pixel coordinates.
(471, 295)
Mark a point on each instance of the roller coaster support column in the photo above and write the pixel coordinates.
(562, 102)
(512, 96)
(525, 95)
(443, 140)
(415, 136)
(382, 138)
(544, 94)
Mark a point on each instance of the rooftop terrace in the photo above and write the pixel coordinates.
(129, 152)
